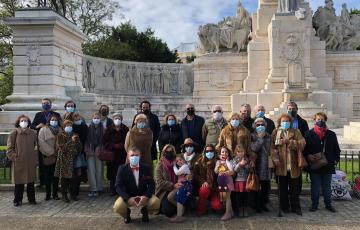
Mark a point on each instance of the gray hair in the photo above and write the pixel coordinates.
(257, 120)
(214, 106)
(258, 106)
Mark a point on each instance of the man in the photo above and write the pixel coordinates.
(298, 122)
(105, 120)
(40, 120)
(213, 126)
(145, 108)
(136, 188)
(191, 127)
(260, 113)
(245, 113)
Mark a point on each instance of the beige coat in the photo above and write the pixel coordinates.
(21, 150)
(141, 140)
(162, 181)
(47, 145)
(292, 151)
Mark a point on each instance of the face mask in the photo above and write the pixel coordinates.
(140, 125)
(169, 156)
(209, 155)
(46, 106)
(190, 112)
(24, 124)
(78, 122)
(285, 125)
(171, 122)
(292, 113)
(134, 160)
(54, 123)
(189, 149)
(70, 109)
(260, 114)
(146, 111)
(320, 124)
(68, 129)
(96, 121)
(217, 116)
(117, 122)
(235, 123)
(104, 113)
(260, 129)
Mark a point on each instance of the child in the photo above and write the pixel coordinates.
(225, 171)
(241, 168)
(182, 171)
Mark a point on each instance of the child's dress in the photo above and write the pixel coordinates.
(185, 191)
(225, 182)
(241, 175)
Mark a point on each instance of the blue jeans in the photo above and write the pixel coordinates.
(323, 181)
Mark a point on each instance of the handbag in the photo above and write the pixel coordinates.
(319, 161)
(104, 154)
(252, 182)
(80, 161)
(301, 160)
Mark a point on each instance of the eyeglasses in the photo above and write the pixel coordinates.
(217, 111)
(257, 125)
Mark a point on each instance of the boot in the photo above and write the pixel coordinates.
(128, 218)
(145, 215)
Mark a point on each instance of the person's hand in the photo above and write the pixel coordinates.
(75, 137)
(311, 157)
(39, 126)
(143, 201)
(178, 185)
(252, 164)
(205, 184)
(131, 202)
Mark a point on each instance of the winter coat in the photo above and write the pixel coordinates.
(261, 147)
(302, 125)
(230, 137)
(47, 145)
(197, 135)
(332, 150)
(211, 131)
(248, 123)
(114, 141)
(21, 151)
(41, 118)
(170, 135)
(143, 141)
(203, 171)
(270, 125)
(162, 181)
(67, 151)
(280, 153)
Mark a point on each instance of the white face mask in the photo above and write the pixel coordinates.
(117, 122)
(24, 124)
(217, 116)
(188, 158)
(96, 121)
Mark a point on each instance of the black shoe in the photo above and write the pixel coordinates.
(330, 208)
(74, 198)
(33, 202)
(56, 197)
(47, 197)
(313, 209)
(145, 215)
(128, 218)
(17, 203)
(297, 211)
(65, 198)
(265, 209)
(285, 210)
(258, 210)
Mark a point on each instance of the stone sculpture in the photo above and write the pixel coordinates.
(231, 34)
(339, 33)
(55, 4)
(288, 6)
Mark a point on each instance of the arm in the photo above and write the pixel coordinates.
(273, 150)
(151, 184)
(221, 140)
(160, 181)
(256, 144)
(120, 186)
(156, 128)
(127, 142)
(204, 132)
(197, 177)
(42, 142)
(337, 150)
(11, 143)
(216, 170)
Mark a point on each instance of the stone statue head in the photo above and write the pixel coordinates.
(329, 3)
(344, 6)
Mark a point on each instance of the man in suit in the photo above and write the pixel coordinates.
(136, 188)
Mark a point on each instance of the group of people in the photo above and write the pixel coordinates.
(226, 162)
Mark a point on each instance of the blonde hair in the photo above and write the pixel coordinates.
(141, 116)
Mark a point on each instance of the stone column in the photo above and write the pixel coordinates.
(47, 59)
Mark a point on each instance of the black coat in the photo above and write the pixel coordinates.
(303, 125)
(41, 118)
(197, 136)
(109, 122)
(332, 150)
(155, 128)
(126, 186)
(249, 124)
(170, 135)
(270, 125)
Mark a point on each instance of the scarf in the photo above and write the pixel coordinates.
(188, 158)
(320, 132)
(95, 136)
(54, 130)
(168, 166)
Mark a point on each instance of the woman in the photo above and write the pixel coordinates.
(205, 180)
(188, 150)
(321, 139)
(234, 134)
(114, 140)
(105, 120)
(260, 145)
(46, 141)
(141, 136)
(68, 146)
(287, 145)
(170, 133)
(92, 146)
(166, 180)
(70, 108)
(21, 151)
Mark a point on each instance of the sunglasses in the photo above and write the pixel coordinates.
(217, 111)
(257, 125)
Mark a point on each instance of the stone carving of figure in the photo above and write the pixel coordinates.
(55, 4)
(345, 15)
(166, 78)
(88, 77)
(287, 6)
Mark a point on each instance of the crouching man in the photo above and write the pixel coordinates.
(136, 187)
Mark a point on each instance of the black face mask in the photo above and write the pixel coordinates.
(169, 156)
(190, 112)
(321, 124)
(146, 111)
(292, 113)
(104, 113)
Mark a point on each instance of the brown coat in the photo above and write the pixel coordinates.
(142, 141)
(203, 171)
(279, 153)
(47, 142)
(162, 181)
(21, 151)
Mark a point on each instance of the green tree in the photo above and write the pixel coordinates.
(125, 42)
(190, 59)
(354, 12)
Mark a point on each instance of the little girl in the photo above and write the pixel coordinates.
(182, 171)
(224, 169)
(241, 168)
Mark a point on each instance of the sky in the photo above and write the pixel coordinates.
(177, 21)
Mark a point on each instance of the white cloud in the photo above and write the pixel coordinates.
(177, 21)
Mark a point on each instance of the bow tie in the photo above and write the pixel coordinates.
(134, 169)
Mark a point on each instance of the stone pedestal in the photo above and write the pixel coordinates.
(352, 131)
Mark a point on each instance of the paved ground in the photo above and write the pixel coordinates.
(97, 214)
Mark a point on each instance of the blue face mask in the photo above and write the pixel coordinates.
(189, 149)
(140, 125)
(171, 122)
(78, 122)
(235, 123)
(70, 109)
(46, 106)
(209, 155)
(68, 129)
(96, 121)
(285, 125)
(260, 129)
(134, 160)
(260, 114)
